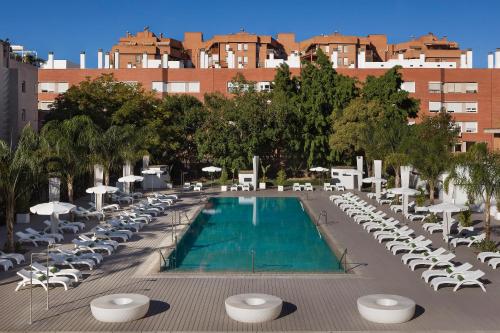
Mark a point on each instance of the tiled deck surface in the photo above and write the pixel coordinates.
(314, 303)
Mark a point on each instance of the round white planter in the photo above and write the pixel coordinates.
(223, 188)
(281, 188)
(386, 309)
(253, 308)
(262, 186)
(119, 308)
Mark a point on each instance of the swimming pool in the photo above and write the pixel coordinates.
(276, 232)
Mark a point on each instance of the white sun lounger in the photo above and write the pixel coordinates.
(28, 238)
(114, 244)
(439, 261)
(75, 274)
(36, 279)
(448, 272)
(484, 256)
(469, 278)
(6, 264)
(97, 257)
(61, 227)
(92, 246)
(468, 240)
(389, 245)
(57, 237)
(19, 258)
(61, 259)
(406, 258)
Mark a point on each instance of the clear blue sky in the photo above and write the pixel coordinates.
(70, 26)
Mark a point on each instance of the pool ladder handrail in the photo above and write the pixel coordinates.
(343, 257)
(162, 257)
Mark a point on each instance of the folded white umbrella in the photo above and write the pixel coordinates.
(98, 191)
(52, 209)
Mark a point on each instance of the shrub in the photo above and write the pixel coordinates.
(420, 198)
(431, 218)
(486, 246)
(281, 177)
(465, 218)
(223, 177)
(391, 182)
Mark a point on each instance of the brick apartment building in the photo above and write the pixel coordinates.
(435, 70)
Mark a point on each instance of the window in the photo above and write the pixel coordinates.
(62, 87)
(240, 60)
(408, 86)
(435, 106)
(346, 61)
(470, 127)
(228, 47)
(157, 86)
(339, 48)
(245, 60)
(45, 105)
(245, 47)
(327, 49)
(435, 87)
(454, 107)
(23, 86)
(183, 87)
(47, 87)
(471, 107)
(471, 87)
(240, 47)
(23, 115)
(346, 48)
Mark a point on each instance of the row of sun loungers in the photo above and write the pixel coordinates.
(440, 269)
(66, 265)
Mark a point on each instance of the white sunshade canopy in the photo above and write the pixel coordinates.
(130, 179)
(374, 180)
(403, 191)
(319, 169)
(151, 172)
(211, 169)
(52, 208)
(101, 189)
(446, 207)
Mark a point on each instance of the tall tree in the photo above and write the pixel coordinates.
(100, 99)
(431, 152)
(478, 173)
(317, 102)
(67, 145)
(18, 166)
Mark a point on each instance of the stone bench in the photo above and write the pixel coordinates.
(119, 308)
(386, 309)
(253, 308)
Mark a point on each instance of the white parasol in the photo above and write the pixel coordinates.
(53, 209)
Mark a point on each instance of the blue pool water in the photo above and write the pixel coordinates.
(277, 230)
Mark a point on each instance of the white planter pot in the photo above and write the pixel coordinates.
(281, 188)
(497, 216)
(23, 218)
(223, 188)
(262, 186)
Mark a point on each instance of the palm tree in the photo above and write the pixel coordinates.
(118, 145)
(478, 173)
(17, 168)
(68, 148)
(395, 161)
